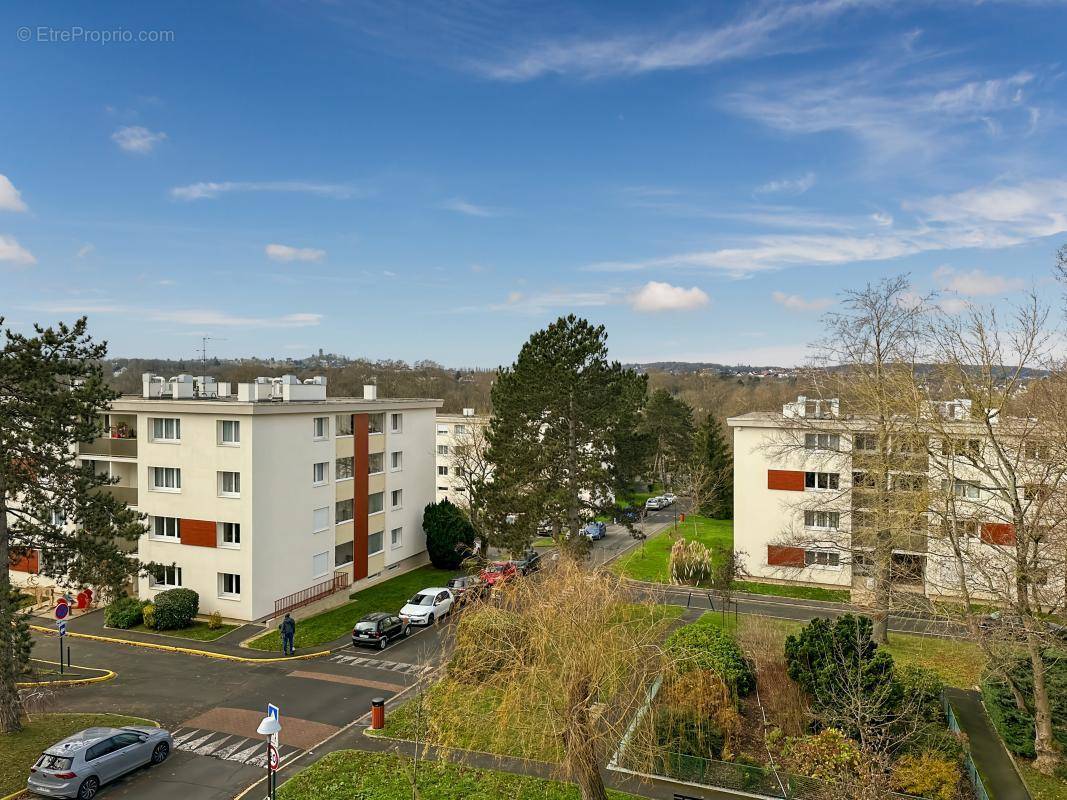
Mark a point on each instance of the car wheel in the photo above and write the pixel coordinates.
(160, 753)
(88, 789)
(383, 642)
(429, 620)
(405, 631)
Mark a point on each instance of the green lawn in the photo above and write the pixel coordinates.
(1042, 787)
(389, 595)
(198, 631)
(356, 775)
(20, 750)
(799, 592)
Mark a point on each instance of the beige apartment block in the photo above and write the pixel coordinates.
(455, 431)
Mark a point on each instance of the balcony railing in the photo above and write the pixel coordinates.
(127, 494)
(108, 446)
(309, 595)
(911, 541)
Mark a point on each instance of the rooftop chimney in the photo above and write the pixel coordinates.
(370, 391)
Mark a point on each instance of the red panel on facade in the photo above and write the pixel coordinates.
(789, 480)
(998, 533)
(361, 491)
(779, 556)
(24, 561)
(198, 532)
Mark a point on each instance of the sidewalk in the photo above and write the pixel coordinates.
(994, 764)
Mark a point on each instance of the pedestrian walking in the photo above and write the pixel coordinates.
(288, 629)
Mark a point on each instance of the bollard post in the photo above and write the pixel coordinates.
(377, 713)
(68, 656)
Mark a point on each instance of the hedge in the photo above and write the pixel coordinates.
(707, 647)
(1015, 726)
(176, 608)
(123, 612)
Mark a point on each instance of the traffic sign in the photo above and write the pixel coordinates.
(272, 756)
(61, 610)
(273, 711)
(62, 627)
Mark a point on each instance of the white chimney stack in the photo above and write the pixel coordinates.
(370, 391)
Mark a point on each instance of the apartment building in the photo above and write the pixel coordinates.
(258, 494)
(465, 431)
(803, 482)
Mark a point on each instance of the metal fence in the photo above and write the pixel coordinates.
(311, 594)
(972, 771)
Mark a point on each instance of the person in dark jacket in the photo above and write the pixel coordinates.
(288, 629)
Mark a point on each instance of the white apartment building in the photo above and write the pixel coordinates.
(452, 430)
(799, 506)
(258, 495)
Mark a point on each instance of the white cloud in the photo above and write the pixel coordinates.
(788, 185)
(14, 253)
(211, 189)
(283, 252)
(881, 218)
(86, 249)
(552, 300)
(186, 316)
(657, 296)
(514, 297)
(458, 204)
(794, 302)
(137, 139)
(976, 283)
(10, 198)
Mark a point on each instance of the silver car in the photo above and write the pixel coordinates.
(80, 764)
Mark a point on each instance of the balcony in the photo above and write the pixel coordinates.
(127, 494)
(910, 541)
(109, 446)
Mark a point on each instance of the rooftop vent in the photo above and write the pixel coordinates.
(370, 391)
(813, 409)
(468, 412)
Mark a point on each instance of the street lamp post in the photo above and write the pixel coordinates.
(270, 728)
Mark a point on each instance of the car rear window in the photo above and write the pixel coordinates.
(455, 583)
(366, 626)
(57, 763)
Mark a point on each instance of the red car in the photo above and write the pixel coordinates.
(498, 572)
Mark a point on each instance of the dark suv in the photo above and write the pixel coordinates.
(467, 587)
(378, 629)
(530, 562)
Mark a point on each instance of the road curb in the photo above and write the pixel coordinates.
(107, 676)
(167, 648)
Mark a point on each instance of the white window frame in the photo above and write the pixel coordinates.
(441, 474)
(235, 426)
(320, 428)
(235, 583)
(352, 470)
(173, 570)
(394, 495)
(380, 510)
(381, 538)
(327, 559)
(442, 429)
(340, 521)
(176, 429)
(176, 472)
(231, 527)
(325, 478)
(396, 461)
(396, 538)
(396, 422)
(320, 522)
(822, 442)
(822, 481)
(340, 427)
(371, 471)
(816, 554)
(381, 428)
(235, 490)
(832, 520)
(165, 537)
(460, 429)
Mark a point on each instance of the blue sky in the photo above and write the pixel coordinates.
(432, 180)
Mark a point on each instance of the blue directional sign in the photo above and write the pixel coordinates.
(62, 627)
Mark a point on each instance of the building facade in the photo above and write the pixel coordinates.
(260, 494)
(460, 447)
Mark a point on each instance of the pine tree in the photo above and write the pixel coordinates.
(713, 469)
(52, 393)
(668, 424)
(558, 413)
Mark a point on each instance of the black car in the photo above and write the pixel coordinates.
(530, 562)
(467, 587)
(378, 629)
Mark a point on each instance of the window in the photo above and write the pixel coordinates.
(460, 430)
(229, 431)
(826, 520)
(165, 528)
(374, 544)
(320, 427)
(318, 473)
(320, 519)
(396, 423)
(396, 460)
(344, 553)
(864, 480)
(961, 529)
(396, 498)
(867, 442)
(229, 534)
(961, 448)
(344, 468)
(442, 430)
(821, 558)
(375, 463)
(344, 424)
(442, 449)
(229, 584)
(375, 423)
(396, 538)
(58, 518)
(1037, 492)
(375, 503)
(909, 483)
(813, 441)
(166, 429)
(344, 511)
(166, 576)
(166, 479)
(229, 484)
(962, 489)
(820, 480)
(320, 564)
(1036, 451)
(442, 471)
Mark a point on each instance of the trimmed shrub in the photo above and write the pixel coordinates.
(148, 613)
(176, 608)
(489, 641)
(123, 612)
(928, 775)
(828, 755)
(449, 534)
(1015, 725)
(709, 648)
(214, 622)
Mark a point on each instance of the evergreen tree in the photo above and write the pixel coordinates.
(559, 413)
(713, 470)
(668, 424)
(52, 393)
(449, 534)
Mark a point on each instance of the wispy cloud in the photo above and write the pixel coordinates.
(656, 296)
(10, 197)
(185, 316)
(976, 282)
(794, 302)
(461, 206)
(788, 185)
(14, 253)
(284, 252)
(211, 189)
(552, 300)
(85, 249)
(137, 139)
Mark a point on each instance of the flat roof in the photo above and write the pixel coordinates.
(136, 402)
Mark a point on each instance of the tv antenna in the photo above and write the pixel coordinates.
(203, 350)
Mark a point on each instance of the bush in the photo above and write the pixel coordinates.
(685, 731)
(148, 613)
(1016, 726)
(176, 608)
(829, 755)
(709, 648)
(214, 622)
(123, 612)
(928, 775)
(690, 563)
(449, 534)
(922, 688)
(489, 641)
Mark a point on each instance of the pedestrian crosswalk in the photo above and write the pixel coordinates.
(227, 746)
(379, 663)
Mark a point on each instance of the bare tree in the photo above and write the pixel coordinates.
(473, 472)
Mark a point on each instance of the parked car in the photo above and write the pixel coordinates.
(545, 527)
(378, 629)
(79, 765)
(631, 514)
(529, 562)
(428, 606)
(669, 497)
(498, 573)
(467, 587)
(1010, 623)
(595, 530)
(655, 503)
